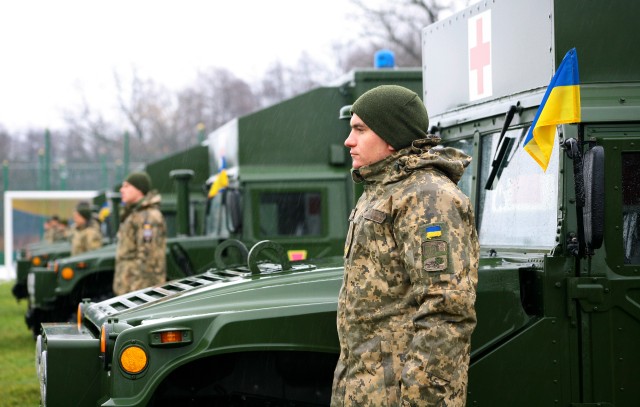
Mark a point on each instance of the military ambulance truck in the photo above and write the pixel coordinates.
(559, 279)
(285, 178)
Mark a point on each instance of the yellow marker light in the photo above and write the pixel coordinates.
(133, 359)
(79, 316)
(171, 337)
(67, 273)
(36, 261)
(103, 339)
(82, 265)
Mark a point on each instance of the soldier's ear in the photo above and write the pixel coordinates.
(390, 147)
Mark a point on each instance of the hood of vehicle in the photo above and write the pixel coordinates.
(232, 289)
(90, 256)
(48, 248)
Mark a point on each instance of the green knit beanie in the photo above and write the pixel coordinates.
(140, 180)
(394, 113)
(84, 209)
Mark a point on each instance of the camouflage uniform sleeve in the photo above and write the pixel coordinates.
(440, 248)
(94, 238)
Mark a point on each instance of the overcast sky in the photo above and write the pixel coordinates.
(55, 51)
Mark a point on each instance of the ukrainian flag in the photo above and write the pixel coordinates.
(220, 182)
(560, 104)
(105, 211)
(433, 231)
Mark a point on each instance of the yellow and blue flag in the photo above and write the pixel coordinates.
(560, 104)
(220, 182)
(433, 231)
(105, 211)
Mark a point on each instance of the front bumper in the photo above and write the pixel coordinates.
(68, 366)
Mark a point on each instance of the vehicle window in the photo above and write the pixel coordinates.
(217, 218)
(290, 214)
(467, 178)
(171, 223)
(631, 207)
(521, 209)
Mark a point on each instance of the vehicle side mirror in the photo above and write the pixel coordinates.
(593, 212)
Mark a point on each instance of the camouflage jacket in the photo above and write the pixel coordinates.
(55, 234)
(141, 249)
(86, 238)
(406, 307)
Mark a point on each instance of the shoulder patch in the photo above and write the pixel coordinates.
(433, 231)
(435, 249)
(434, 255)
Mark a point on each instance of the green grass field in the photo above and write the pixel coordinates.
(18, 380)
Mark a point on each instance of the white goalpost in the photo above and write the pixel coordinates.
(8, 272)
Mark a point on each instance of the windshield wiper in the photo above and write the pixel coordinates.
(504, 145)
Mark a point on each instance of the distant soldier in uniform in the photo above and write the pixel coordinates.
(86, 234)
(140, 253)
(54, 230)
(406, 307)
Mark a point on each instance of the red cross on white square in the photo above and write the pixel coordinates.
(480, 72)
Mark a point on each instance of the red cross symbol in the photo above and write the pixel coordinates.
(480, 56)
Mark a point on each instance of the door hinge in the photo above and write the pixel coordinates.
(592, 293)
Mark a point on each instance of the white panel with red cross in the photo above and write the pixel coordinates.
(480, 72)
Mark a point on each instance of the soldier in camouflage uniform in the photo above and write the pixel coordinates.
(86, 234)
(406, 307)
(140, 254)
(54, 230)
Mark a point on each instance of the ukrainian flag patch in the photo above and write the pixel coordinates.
(433, 231)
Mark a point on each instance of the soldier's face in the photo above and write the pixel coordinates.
(79, 219)
(365, 146)
(129, 193)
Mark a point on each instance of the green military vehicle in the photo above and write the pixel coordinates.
(559, 277)
(283, 165)
(39, 254)
(54, 288)
(35, 255)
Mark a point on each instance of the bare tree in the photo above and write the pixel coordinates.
(396, 25)
(5, 144)
(281, 82)
(144, 104)
(150, 109)
(215, 97)
(88, 134)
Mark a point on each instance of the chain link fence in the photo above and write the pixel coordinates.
(30, 176)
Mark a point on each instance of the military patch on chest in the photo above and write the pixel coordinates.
(147, 233)
(375, 215)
